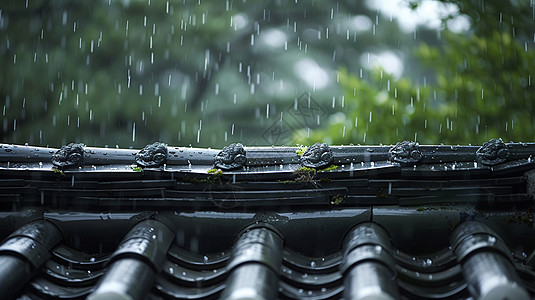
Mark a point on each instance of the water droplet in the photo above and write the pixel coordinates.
(92, 259)
(313, 264)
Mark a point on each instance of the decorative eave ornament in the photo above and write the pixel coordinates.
(70, 155)
(231, 157)
(317, 156)
(492, 152)
(152, 156)
(406, 153)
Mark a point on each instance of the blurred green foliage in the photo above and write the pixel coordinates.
(182, 72)
(129, 73)
(482, 87)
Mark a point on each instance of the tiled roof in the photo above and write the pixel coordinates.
(355, 222)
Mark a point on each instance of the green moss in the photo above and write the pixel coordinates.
(207, 180)
(58, 172)
(338, 199)
(420, 208)
(329, 168)
(305, 174)
(382, 194)
(306, 170)
(214, 176)
(215, 172)
(301, 150)
(136, 169)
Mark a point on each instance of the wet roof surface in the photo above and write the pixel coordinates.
(393, 222)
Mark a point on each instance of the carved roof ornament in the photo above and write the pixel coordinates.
(492, 152)
(231, 157)
(317, 156)
(152, 156)
(69, 156)
(405, 153)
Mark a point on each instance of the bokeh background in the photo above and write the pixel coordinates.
(209, 73)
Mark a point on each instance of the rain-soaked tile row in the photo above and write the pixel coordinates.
(37, 262)
(374, 227)
(236, 157)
